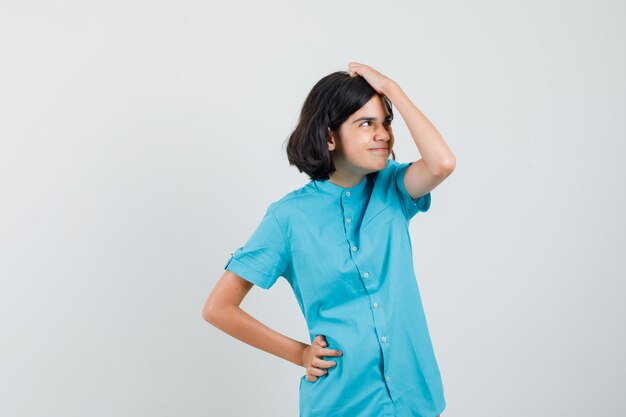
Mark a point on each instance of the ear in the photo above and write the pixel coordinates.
(331, 140)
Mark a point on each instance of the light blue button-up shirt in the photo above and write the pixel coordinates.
(347, 254)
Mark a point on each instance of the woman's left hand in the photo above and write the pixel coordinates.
(378, 81)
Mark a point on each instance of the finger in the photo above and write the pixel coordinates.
(317, 371)
(353, 68)
(321, 340)
(356, 67)
(328, 352)
(321, 363)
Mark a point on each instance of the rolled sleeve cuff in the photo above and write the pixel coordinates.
(249, 274)
(411, 205)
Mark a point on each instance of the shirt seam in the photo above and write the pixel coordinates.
(285, 199)
(408, 203)
(285, 239)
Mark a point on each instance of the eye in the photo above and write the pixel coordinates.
(385, 123)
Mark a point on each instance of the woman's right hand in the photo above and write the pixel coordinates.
(312, 360)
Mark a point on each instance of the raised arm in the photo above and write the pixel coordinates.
(438, 161)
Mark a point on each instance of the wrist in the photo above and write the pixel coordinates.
(391, 89)
(303, 355)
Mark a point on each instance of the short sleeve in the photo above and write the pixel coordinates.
(410, 205)
(264, 257)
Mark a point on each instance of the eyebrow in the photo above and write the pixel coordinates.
(369, 118)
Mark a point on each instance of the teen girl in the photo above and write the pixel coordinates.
(342, 242)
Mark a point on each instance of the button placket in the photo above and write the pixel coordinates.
(351, 238)
(348, 213)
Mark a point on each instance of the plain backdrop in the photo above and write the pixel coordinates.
(141, 142)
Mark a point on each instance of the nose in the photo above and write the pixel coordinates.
(382, 134)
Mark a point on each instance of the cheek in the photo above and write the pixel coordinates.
(352, 147)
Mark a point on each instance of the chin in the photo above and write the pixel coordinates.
(381, 165)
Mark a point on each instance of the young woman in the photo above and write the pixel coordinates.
(342, 242)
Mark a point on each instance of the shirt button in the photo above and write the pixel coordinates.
(387, 378)
(383, 339)
(348, 193)
(375, 305)
(348, 219)
(366, 275)
(354, 248)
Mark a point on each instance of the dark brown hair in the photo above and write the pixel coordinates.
(330, 103)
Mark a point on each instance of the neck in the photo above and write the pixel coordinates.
(346, 180)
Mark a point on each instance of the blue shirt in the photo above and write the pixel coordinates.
(347, 255)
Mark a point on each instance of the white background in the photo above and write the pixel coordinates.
(141, 142)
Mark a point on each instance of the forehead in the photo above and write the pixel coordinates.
(374, 108)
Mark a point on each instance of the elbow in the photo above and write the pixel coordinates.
(445, 167)
(208, 313)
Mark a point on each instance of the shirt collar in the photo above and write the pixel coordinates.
(357, 191)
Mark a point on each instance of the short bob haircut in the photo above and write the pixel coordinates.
(330, 103)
